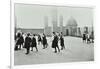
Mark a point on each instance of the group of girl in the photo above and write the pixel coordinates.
(29, 41)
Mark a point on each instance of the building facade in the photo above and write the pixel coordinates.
(69, 30)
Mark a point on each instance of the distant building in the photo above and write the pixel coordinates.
(86, 30)
(47, 29)
(69, 29)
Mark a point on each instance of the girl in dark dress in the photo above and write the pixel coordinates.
(62, 42)
(55, 42)
(18, 42)
(39, 40)
(44, 41)
(21, 41)
(84, 37)
(27, 43)
(34, 44)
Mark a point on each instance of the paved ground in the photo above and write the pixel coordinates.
(75, 50)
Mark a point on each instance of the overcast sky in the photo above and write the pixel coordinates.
(32, 16)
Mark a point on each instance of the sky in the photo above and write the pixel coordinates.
(33, 16)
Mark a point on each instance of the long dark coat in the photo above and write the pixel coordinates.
(44, 40)
(21, 39)
(61, 41)
(18, 41)
(39, 38)
(55, 42)
(27, 42)
(34, 44)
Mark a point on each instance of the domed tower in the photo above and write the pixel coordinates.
(54, 19)
(61, 23)
(71, 27)
(45, 25)
(47, 29)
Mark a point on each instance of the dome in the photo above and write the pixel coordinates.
(71, 22)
